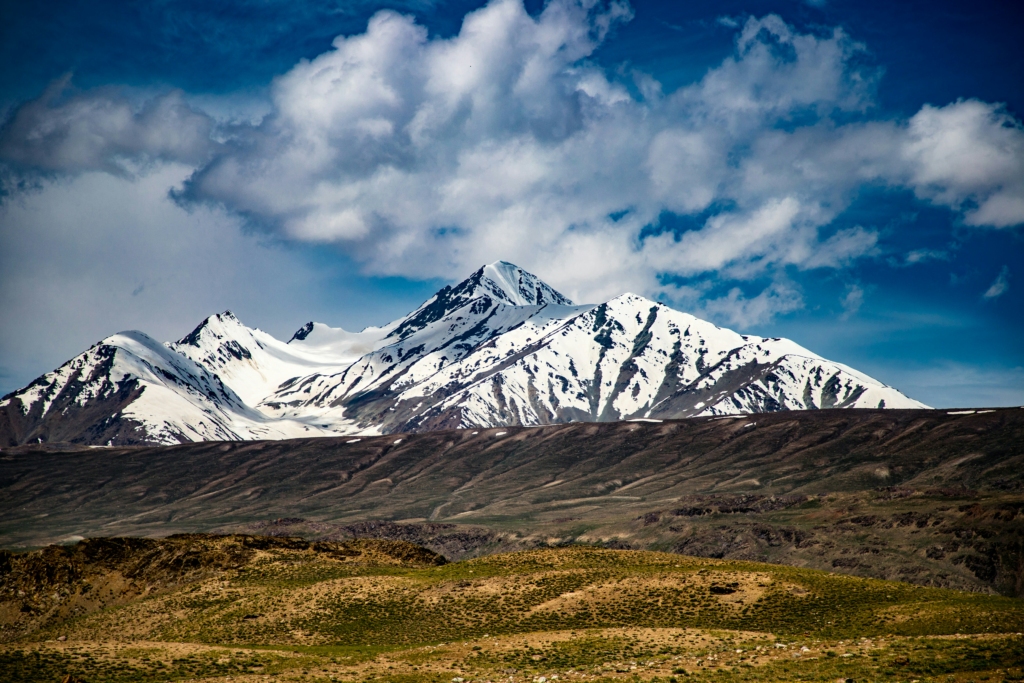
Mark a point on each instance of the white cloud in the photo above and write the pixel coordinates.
(738, 239)
(843, 247)
(425, 157)
(852, 301)
(778, 72)
(85, 257)
(1000, 285)
(64, 131)
(969, 155)
(737, 310)
(924, 255)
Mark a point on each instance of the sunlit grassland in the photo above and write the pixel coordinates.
(577, 613)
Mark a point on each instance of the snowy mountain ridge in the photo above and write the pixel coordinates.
(499, 348)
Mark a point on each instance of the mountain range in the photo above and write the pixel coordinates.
(500, 348)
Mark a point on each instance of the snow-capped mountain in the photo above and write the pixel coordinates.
(500, 348)
(130, 388)
(252, 362)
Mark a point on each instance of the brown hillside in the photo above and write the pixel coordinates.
(924, 496)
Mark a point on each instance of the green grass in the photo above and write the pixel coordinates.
(612, 615)
(34, 665)
(831, 606)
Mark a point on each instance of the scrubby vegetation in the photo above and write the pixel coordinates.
(290, 610)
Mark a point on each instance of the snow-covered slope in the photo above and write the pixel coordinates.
(252, 362)
(320, 341)
(499, 348)
(130, 388)
(627, 358)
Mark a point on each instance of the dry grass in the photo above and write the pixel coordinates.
(578, 614)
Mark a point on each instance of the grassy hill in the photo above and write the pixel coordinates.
(261, 609)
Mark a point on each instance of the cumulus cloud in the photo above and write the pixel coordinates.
(63, 131)
(969, 155)
(737, 310)
(1000, 285)
(425, 157)
(97, 253)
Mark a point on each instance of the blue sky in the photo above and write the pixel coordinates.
(849, 175)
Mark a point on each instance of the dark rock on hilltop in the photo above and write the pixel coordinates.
(453, 541)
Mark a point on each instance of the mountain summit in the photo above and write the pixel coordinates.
(507, 283)
(499, 348)
(498, 283)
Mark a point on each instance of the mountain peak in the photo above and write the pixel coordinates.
(303, 332)
(499, 348)
(511, 284)
(215, 324)
(500, 282)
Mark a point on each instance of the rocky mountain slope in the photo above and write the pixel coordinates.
(500, 348)
(915, 495)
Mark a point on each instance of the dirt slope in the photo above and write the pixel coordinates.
(924, 496)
